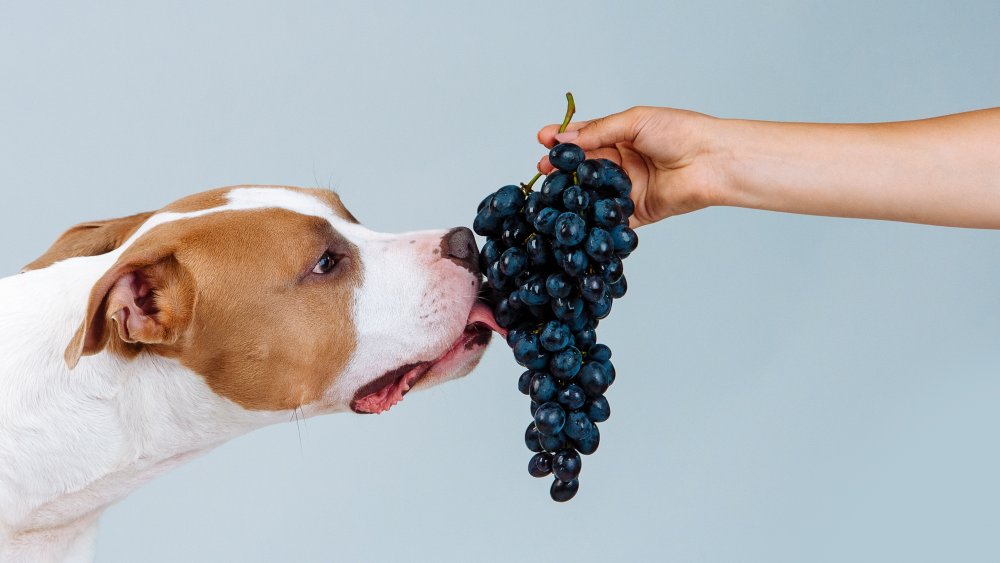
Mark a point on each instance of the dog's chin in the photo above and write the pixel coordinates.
(380, 394)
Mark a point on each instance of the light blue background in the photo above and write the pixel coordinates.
(791, 388)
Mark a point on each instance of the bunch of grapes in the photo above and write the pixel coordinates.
(553, 265)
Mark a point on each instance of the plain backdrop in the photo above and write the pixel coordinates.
(790, 388)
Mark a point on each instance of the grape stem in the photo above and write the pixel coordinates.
(570, 110)
(527, 187)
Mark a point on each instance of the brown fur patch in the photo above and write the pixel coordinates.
(89, 239)
(260, 328)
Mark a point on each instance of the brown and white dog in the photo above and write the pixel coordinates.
(138, 343)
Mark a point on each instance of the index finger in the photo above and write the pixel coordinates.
(547, 134)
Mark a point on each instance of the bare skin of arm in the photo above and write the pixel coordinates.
(939, 171)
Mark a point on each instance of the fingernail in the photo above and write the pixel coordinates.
(568, 136)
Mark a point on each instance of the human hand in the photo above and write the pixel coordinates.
(667, 153)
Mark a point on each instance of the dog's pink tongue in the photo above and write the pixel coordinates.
(482, 314)
(384, 399)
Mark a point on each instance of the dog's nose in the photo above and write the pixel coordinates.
(459, 245)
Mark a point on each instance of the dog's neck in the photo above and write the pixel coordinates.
(74, 442)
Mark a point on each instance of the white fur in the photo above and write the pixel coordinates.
(74, 442)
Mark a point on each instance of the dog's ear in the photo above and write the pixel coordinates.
(145, 299)
(89, 239)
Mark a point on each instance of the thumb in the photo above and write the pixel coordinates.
(607, 131)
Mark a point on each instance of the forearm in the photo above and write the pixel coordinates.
(943, 171)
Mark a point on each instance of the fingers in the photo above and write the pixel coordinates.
(604, 132)
(547, 135)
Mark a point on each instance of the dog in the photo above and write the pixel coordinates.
(135, 344)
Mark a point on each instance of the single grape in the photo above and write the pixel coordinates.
(543, 387)
(598, 409)
(537, 250)
(487, 223)
(524, 382)
(565, 465)
(532, 205)
(555, 336)
(576, 199)
(599, 245)
(513, 261)
(532, 437)
(567, 308)
(486, 201)
(571, 397)
(540, 465)
(566, 156)
(507, 201)
(627, 205)
(533, 293)
(593, 378)
(624, 239)
(608, 213)
(515, 231)
(588, 444)
(619, 288)
(562, 491)
(570, 229)
(575, 262)
(585, 338)
(558, 285)
(599, 353)
(550, 418)
(566, 363)
(577, 425)
(552, 443)
(601, 308)
(589, 173)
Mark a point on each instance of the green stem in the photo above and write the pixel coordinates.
(570, 110)
(527, 187)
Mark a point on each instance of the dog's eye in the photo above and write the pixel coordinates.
(325, 264)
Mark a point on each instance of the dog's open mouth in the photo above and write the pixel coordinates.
(381, 394)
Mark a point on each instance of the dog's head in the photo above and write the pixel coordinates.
(280, 299)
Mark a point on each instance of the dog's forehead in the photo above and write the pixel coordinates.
(313, 202)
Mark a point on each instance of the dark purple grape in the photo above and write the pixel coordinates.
(543, 387)
(593, 378)
(588, 444)
(537, 250)
(566, 156)
(565, 465)
(532, 205)
(513, 261)
(627, 205)
(598, 409)
(566, 363)
(540, 465)
(552, 443)
(550, 418)
(617, 289)
(555, 336)
(567, 308)
(599, 353)
(528, 353)
(507, 201)
(524, 382)
(608, 213)
(570, 229)
(589, 173)
(515, 231)
(577, 425)
(576, 199)
(562, 491)
(575, 262)
(599, 245)
(571, 397)
(624, 239)
(532, 437)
